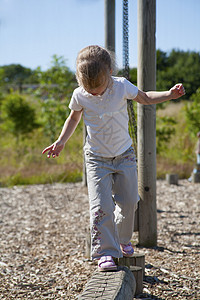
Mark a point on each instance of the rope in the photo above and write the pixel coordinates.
(131, 113)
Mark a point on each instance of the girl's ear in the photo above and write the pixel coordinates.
(111, 72)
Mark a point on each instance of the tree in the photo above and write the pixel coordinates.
(174, 67)
(178, 66)
(56, 82)
(56, 87)
(17, 75)
(161, 60)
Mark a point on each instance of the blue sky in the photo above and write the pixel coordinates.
(32, 31)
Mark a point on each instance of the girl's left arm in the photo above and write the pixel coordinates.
(147, 98)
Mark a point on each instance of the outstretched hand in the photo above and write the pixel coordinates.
(177, 91)
(54, 149)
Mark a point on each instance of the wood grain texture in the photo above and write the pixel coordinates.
(147, 124)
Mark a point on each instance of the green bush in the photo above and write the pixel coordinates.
(17, 115)
(164, 131)
(192, 112)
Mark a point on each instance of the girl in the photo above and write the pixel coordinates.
(110, 160)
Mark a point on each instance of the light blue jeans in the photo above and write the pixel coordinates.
(113, 194)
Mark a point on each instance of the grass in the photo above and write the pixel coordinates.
(23, 163)
(20, 177)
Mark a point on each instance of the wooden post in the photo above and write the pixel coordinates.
(196, 174)
(195, 177)
(138, 274)
(172, 179)
(109, 21)
(147, 124)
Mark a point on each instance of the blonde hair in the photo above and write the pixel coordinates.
(93, 67)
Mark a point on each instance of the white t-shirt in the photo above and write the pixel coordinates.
(106, 117)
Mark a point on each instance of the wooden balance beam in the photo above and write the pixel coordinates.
(118, 285)
(122, 284)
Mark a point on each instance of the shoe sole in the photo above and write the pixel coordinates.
(114, 268)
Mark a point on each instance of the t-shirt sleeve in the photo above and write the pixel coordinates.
(74, 103)
(131, 90)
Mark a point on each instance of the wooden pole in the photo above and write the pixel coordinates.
(110, 25)
(147, 124)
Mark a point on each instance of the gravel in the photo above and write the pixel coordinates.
(42, 243)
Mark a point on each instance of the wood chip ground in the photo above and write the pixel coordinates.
(42, 243)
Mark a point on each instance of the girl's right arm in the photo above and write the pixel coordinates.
(68, 129)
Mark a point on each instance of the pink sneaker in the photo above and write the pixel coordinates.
(127, 250)
(106, 263)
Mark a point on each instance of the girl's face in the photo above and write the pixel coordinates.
(100, 90)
